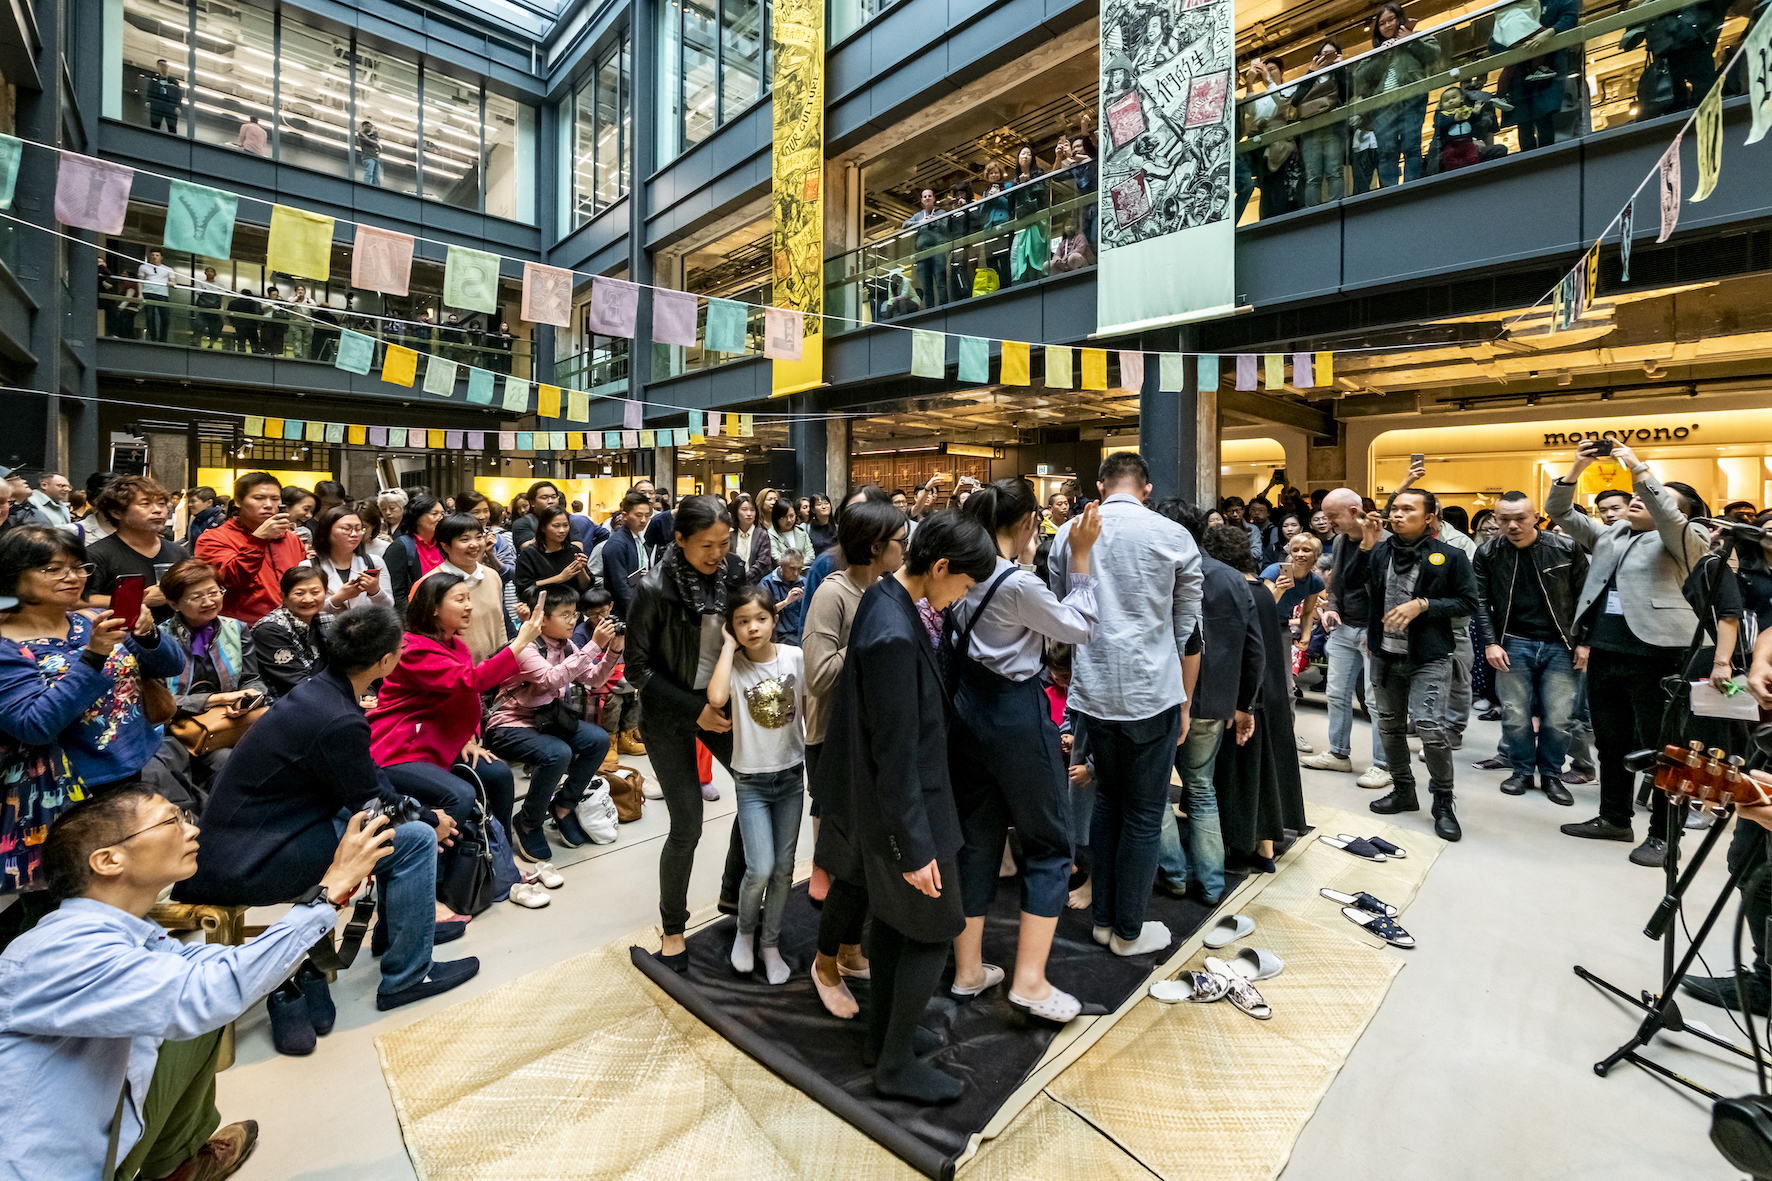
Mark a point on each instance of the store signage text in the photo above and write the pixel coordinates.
(1660, 434)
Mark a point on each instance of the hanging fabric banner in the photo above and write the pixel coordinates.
(452, 440)
(440, 377)
(381, 260)
(557, 440)
(526, 440)
(416, 438)
(1275, 370)
(335, 432)
(649, 438)
(975, 359)
(682, 437)
(575, 440)
(928, 354)
(396, 436)
(1094, 375)
(1710, 140)
(316, 432)
(1166, 230)
(378, 436)
(1058, 368)
(673, 317)
(273, 428)
(200, 220)
(1627, 226)
(714, 424)
(632, 414)
(547, 295)
(436, 439)
(11, 150)
(796, 237)
(1590, 287)
(1245, 371)
(612, 440)
(1302, 377)
(292, 428)
(1759, 77)
(254, 425)
(356, 436)
(507, 440)
(400, 366)
(615, 305)
(783, 338)
(695, 423)
(1131, 371)
(547, 401)
(479, 386)
(1670, 189)
(726, 326)
(355, 351)
(94, 194)
(516, 396)
(747, 426)
(1016, 358)
(1171, 372)
(630, 439)
(300, 243)
(1206, 372)
(476, 440)
(578, 406)
(470, 280)
(1324, 369)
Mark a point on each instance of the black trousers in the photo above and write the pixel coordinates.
(1626, 699)
(673, 760)
(1750, 842)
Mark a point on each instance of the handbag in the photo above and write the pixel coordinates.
(627, 792)
(213, 729)
(985, 281)
(158, 704)
(37, 784)
(466, 879)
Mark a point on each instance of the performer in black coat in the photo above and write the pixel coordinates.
(884, 774)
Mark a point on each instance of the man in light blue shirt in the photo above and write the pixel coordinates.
(1127, 694)
(109, 1027)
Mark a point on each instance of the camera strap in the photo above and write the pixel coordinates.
(362, 912)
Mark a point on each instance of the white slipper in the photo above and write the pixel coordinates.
(993, 976)
(1257, 963)
(1229, 929)
(1058, 1007)
(1101, 934)
(1196, 987)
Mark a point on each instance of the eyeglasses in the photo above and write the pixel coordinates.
(180, 817)
(348, 528)
(82, 571)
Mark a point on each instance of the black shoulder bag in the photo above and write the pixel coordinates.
(464, 871)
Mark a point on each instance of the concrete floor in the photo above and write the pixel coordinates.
(1478, 1065)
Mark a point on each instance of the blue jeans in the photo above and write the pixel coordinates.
(1346, 661)
(1398, 128)
(1539, 682)
(372, 171)
(435, 787)
(1132, 763)
(406, 883)
(769, 807)
(1195, 759)
(549, 760)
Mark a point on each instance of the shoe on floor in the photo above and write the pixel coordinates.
(1554, 791)
(292, 1028)
(1497, 763)
(1598, 829)
(993, 976)
(1303, 746)
(530, 895)
(1652, 852)
(709, 792)
(1446, 825)
(572, 833)
(1153, 937)
(321, 1011)
(1490, 715)
(548, 875)
(1374, 777)
(531, 843)
(628, 742)
(1722, 992)
(651, 790)
(443, 976)
(221, 1156)
(1575, 776)
(1517, 785)
(1327, 761)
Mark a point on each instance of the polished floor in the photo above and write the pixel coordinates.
(1478, 1065)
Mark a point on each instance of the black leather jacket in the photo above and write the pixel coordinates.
(1562, 571)
(664, 648)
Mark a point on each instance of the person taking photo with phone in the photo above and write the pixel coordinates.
(554, 559)
(252, 549)
(135, 507)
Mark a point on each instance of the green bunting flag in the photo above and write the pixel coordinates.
(726, 326)
(293, 427)
(440, 377)
(200, 220)
(355, 352)
(479, 386)
(1206, 372)
(1171, 372)
(928, 354)
(470, 279)
(975, 359)
(516, 396)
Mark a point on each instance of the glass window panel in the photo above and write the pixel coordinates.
(231, 93)
(387, 120)
(314, 99)
(584, 153)
(608, 177)
(452, 140)
(741, 52)
(510, 159)
(667, 78)
(698, 72)
(146, 91)
(627, 115)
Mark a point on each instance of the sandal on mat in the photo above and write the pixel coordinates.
(1386, 929)
(1229, 929)
(1382, 845)
(1257, 963)
(1058, 1008)
(1241, 992)
(1198, 987)
(1360, 901)
(1359, 848)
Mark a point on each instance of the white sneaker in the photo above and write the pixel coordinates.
(531, 895)
(1303, 746)
(548, 876)
(1374, 776)
(1328, 761)
(651, 790)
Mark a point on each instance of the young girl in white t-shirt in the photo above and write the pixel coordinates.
(766, 683)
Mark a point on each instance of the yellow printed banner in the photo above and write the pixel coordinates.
(796, 238)
(547, 401)
(1015, 363)
(1095, 369)
(300, 243)
(357, 435)
(1324, 369)
(400, 365)
(435, 439)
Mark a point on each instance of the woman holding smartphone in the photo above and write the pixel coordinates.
(341, 557)
(220, 659)
(553, 559)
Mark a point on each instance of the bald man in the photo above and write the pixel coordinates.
(1345, 618)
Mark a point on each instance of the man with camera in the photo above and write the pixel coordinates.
(1632, 622)
(277, 807)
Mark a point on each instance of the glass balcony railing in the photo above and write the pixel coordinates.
(254, 325)
(1490, 83)
(599, 371)
(676, 360)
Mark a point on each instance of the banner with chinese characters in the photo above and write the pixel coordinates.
(1164, 200)
(797, 239)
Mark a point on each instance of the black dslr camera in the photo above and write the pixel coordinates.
(406, 811)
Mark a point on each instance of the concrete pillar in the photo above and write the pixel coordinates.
(664, 469)
(1169, 425)
(838, 436)
(808, 437)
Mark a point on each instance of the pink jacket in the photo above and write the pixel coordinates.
(543, 678)
(429, 706)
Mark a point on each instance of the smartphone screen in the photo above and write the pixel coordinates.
(126, 597)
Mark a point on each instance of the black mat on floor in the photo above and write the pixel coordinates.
(985, 1042)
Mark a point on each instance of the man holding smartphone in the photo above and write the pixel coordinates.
(252, 549)
(135, 509)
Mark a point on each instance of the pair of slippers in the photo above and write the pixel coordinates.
(1377, 916)
(1235, 980)
(1367, 848)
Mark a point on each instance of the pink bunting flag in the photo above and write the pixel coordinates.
(630, 439)
(378, 436)
(476, 440)
(631, 413)
(1245, 371)
(1670, 190)
(783, 330)
(547, 295)
(615, 303)
(452, 440)
(1131, 370)
(673, 317)
(507, 440)
(713, 424)
(1301, 371)
(92, 194)
(381, 260)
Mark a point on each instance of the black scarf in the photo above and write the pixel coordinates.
(704, 593)
(1404, 554)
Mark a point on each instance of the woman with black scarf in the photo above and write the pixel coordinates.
(675, 634)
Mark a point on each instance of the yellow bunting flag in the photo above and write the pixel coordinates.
(273, 428)
(1275, 364)
(435, 439)
(300, 243)
(1095, 369)
(357, 435)
(747, 426)
(1710, 141)
(1324, 368)
(575, 440)
(547, 401)
(1015, 363)
(400, 365)
(1058, 368)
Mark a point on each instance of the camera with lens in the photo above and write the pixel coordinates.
(1602, 446)
(620, 627)
(406, 811)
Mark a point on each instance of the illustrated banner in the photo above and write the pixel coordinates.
(797, 238)
(1164, 214)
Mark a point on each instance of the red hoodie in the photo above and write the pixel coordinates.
(429, 706)
(250, 569)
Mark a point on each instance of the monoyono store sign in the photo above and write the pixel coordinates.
(1626, 435)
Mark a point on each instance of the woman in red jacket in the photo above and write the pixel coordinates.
(427, 717)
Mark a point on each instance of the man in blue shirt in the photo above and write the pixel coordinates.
(109, 1027)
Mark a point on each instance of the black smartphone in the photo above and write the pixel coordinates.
(126, 597)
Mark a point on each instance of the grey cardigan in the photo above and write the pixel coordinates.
(1651, 569)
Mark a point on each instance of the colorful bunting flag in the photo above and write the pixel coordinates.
(681, 437)
(436, 439)
(1670, 189)
(507, 440)
(784, 330)
(1131, 370)
(400, 365)
(396, 436)
(578, 405)
(1301, 371)
(630, 439)
(1710, 140)
(975, 359)
(1017, 361)
(254, 425)
(357, 435)
(516, 396)
(1171, 372)
(470, 279)
(200, 220)
(1206, 372)
(714, 424)
(1275, 366)
(300, 243)
(526, 440)
(378, 436)
(1758, 53)
(575, 440)
(316, 432)
(727, 326)
(557, 440)
(11, 150)
(415, 438)
(649, 438)
(273, 428)
(547, 295)
(1058, 368)
(1245, 371)
(673, 317)
(1325, 369)
(612, 440)
(615, 305)
(747, 426)
(695, 423)
(440, 377)
(547, 401)
(476, 440)
(452, 440)
(92, 194)
(292, 428)
(1094, 369)
(335, 432)
(632, 414)
(356, 352)
(479, 386)
(1627, 227)
(381, 260)
(928, 354)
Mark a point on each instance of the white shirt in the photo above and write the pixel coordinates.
(1009, 638)
(155, 279)
(768, 710)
